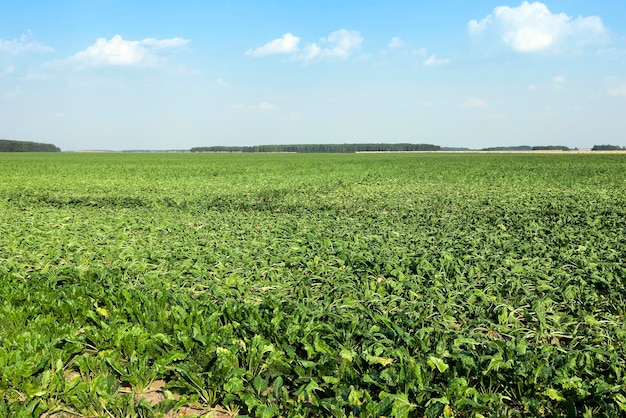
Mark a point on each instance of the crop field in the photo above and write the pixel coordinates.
(266, 285)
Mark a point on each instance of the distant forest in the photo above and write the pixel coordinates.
(608, 148)
(7, 145)
(321, 148)
(529, 148)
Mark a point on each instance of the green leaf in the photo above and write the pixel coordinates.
(383, 361)
(264, 411)
(621, 401)
(554, 394)
(401, 407)
(331, 380)
(347, 354)
(234, 385)
(437, 363)
(260, 384)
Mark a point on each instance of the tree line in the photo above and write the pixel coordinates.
(608, 148)
(7, 145)
(322, 148)
(529, 148)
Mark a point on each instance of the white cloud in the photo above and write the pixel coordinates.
(474, 102)
(23, 45)
(339, 44)
(221, 82)
(532, 27)
(261, 106)
(286, 44)
(267, 106)
(311, 51)
(558, 82)
(433, 61)
(532, 87)
(396, 42)
(35, 76)
(7, 70)
(616, 88)
(612, 52)
(9, 95)
(120, 52)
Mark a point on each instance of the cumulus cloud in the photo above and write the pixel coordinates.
(474, 102)
(433, 61)
(339, 44)
(23, 45)
(616, 87)
(532, 27)
(261, 106)
(9, 95)
(558, 82)
(396, 42)
(286, 44)
(6, 70)
(35, 76)
(120, 52)
(267, 106)
(618, 90)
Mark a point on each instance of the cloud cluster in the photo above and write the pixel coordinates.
(558, 82)
(12, 94)
(286, 44)
(120, 52)
(433, 61)
(6, 70)
(616, 87)
(338, 44)
(396, 42)
(532, 27)
(23, 45)
(474, 102)
(261, 106)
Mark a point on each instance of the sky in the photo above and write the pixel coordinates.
(162, 75)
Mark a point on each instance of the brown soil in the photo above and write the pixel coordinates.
(154, 395)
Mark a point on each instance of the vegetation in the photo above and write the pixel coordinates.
(516, 148)
(394, 285)
(607, 148)
(551, 148)
(455, 149)
(322, 148)
(25, 146)
(529, 148)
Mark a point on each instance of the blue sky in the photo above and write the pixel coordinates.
(121, 75)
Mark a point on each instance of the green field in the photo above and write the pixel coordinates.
(312, 285)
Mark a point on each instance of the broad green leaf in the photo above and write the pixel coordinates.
(437, 363)
(554, 394)
(383, 361)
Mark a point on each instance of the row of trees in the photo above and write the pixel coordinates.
(529, 148)
(322, 148)
(608, 148)
(7, 145)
